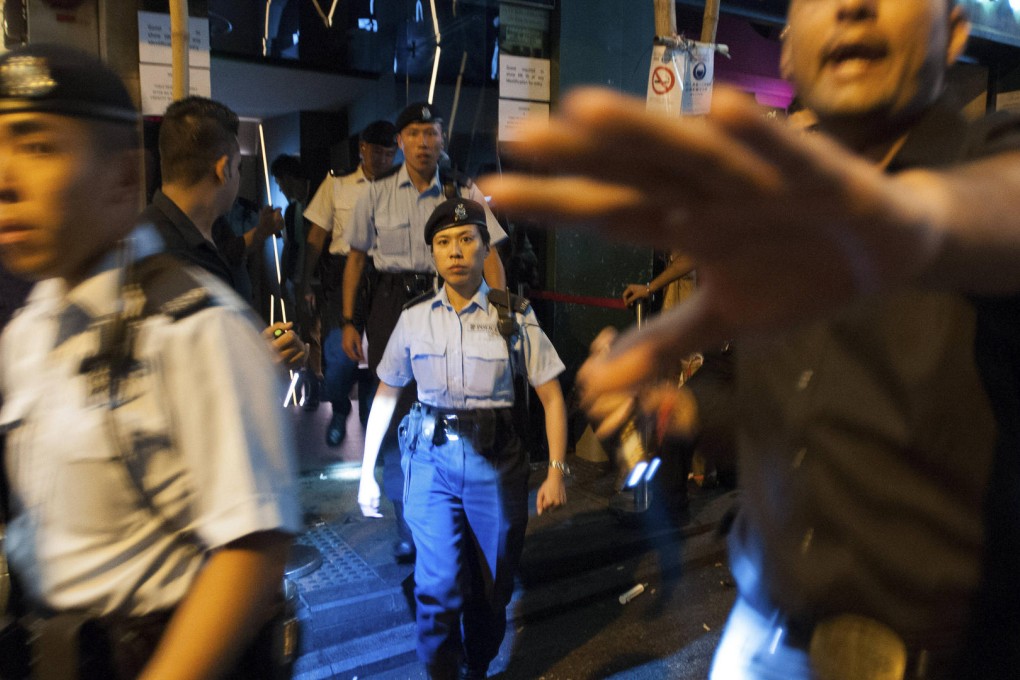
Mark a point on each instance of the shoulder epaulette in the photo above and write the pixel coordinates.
(424, 297)
(169, 288)
(389, 173)
(517, 303)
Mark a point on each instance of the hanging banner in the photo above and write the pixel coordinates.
(680, 78)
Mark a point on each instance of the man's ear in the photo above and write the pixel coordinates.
(222, 169)
(959, 31)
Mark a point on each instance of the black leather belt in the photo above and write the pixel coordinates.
(477, 425)
(413, 283)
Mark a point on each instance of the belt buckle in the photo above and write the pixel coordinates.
(849, 646)
(451, 427)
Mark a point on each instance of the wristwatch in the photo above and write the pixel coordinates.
(561, 466)
(348, 321)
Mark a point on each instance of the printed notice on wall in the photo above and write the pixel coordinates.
(513, 114)
(523, 78)
(155, 60)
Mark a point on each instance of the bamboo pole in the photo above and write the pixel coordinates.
(710, 22)
(180, 40)
(665, 18)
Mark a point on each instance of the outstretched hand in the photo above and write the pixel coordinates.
(782, 226)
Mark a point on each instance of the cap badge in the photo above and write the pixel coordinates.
(460, 212)
(425, 113)
(26, 76)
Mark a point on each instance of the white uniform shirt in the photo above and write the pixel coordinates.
(333, 204)
(203, 420)
(389, 222)
(460, 360)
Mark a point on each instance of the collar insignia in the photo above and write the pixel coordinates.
(26, 77)
(460, 212)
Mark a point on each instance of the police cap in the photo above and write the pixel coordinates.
(57, 79)
(418, 112)
(456, 212)
(380, 133)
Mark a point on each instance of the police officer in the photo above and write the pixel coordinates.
(465, 471)
(150, 476)
(388, 224)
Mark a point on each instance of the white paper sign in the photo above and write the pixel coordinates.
(680, 80)
(514, 113)
(154, 40)
(157, 86)
(523, 78)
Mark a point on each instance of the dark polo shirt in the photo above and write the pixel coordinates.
(878, 450)
(224, 258)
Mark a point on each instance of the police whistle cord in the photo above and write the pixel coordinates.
(586, 300)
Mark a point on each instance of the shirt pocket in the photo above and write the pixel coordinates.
(393, 238)
(428, 362)
(487, 371)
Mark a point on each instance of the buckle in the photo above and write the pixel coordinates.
(451, 427)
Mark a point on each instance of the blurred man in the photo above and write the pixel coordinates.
(878, 535)
(152, 493)
(329, 214)
(389, 224)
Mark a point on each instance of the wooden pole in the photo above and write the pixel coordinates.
(711, 21)
(665, 18)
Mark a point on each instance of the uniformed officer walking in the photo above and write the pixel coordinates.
(465, 469)
(151, 481)
(388, 223)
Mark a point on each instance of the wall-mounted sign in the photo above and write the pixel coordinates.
(513, 114)
(155, 60)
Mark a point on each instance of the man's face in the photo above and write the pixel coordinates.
(860, 58)
(377, 159)
(422, 143)
(54, 191)
(292, 188)
(460, 255)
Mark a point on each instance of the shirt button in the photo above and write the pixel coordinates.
(805, 379)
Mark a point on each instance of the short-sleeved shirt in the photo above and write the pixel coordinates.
(200, 422)
(460, 360)
(333, 204)
(389, 222)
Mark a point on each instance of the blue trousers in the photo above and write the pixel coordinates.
(467, 511)
(339, 376)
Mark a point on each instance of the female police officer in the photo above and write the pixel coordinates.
(465, 470)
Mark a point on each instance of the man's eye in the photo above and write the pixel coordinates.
(35, 148)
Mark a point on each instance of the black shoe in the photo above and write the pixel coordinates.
(403, 552)
(336, 430)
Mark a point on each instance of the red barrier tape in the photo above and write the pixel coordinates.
(608, 303)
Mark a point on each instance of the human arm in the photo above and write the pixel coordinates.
(383, 405)
(492, 270)
(224, 608)
(352, 280)
(314, 244)
(553, 492)
(782, 226)
(270, 223)
(679, 267)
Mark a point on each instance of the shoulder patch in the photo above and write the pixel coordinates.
(169, 288)
(517, 303)
(424, 297)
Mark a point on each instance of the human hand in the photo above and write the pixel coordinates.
(552, 493)
(782, 226)
(368, 496)
(634, 292)
(290, 349)
(352, 343)
(270, 222)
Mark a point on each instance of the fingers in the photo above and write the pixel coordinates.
(370, 508)
(352, 344)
